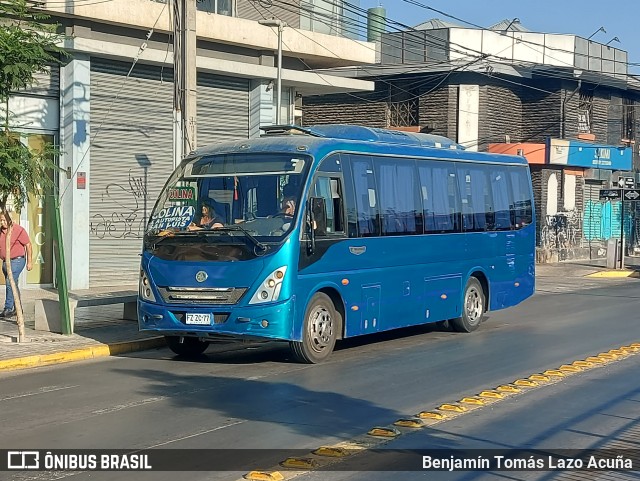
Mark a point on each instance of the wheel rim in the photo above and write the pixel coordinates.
(320, 328)
(473, 305)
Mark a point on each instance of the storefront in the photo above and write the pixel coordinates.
(567, 176)
(35, 115)
(131, 154)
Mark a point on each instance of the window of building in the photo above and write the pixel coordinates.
(221, 7)
(585, 112)
(628, 120)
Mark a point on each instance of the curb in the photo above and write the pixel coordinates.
(614, 274)
(90, 352)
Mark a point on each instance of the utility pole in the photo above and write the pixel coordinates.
(184, 79)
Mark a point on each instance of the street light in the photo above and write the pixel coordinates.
(601, 29)
(515, 20)
(280, 25)
(614, 39)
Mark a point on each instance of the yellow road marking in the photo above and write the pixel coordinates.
(449, 410)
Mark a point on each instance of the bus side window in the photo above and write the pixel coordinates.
(477, 205)
(367, 209)
(349, 197)
(521, 205)
(500, 190)
(400, 209)
(439, 196)
(330, 189)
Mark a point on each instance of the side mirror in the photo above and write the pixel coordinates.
(319, 215)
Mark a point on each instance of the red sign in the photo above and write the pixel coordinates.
(82, 180)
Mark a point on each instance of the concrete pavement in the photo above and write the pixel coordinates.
(100, 331)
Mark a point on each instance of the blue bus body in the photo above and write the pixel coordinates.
(385, 269)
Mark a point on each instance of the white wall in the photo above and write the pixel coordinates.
(468, 114)
(34, 113)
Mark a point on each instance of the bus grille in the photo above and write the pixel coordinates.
(202, 295)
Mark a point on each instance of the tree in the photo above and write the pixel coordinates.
(28, 45)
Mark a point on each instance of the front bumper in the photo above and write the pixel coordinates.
(267, 321)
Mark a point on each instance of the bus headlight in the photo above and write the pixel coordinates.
(269, 290)
(145, 291)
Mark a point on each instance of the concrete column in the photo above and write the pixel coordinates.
(468, 116)
(261, 106)
(75, 84)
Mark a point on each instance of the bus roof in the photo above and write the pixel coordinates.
(319, 140)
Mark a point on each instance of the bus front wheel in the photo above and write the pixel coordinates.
(189, 347)
(319, 332)
(473, 307)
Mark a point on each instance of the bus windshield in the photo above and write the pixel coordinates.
(241, 203)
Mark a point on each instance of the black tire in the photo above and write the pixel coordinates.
(319, 333)
(189, 347)
(473, 307)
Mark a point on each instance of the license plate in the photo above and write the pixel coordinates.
(200, 319)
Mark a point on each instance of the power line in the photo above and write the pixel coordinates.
(422, 82)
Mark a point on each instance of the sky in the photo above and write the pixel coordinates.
(574, 17)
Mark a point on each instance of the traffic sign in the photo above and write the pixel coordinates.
(631, 194)
(610, 194)
(628, 182)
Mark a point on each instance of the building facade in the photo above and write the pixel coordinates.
(514, 92)
(110, 107)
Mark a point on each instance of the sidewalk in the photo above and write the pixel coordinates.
(100, 331)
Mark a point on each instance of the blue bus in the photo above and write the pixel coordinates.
(312, 235)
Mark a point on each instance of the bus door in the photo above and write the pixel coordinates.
(340, 255)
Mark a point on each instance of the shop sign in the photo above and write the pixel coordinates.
(583, 154)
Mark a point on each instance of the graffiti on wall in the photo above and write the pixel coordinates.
(128, 203)
(561, 230)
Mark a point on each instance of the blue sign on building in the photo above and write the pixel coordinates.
(593, 156)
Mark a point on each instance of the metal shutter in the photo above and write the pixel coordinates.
(131, 158)
(223, 109)
(592, 213)
(47, 84)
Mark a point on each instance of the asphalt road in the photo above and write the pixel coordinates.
(257, 398)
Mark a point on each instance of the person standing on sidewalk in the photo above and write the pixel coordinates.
(20, 247)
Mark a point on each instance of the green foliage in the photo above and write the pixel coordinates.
(23, 171)
(28, 45)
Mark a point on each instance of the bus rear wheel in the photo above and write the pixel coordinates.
(319, 331)
(473, 307)
(189, 347)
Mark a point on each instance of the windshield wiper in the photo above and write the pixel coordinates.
(237, 228)
(207, 232)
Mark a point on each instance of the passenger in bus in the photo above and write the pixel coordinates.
(209, 219)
